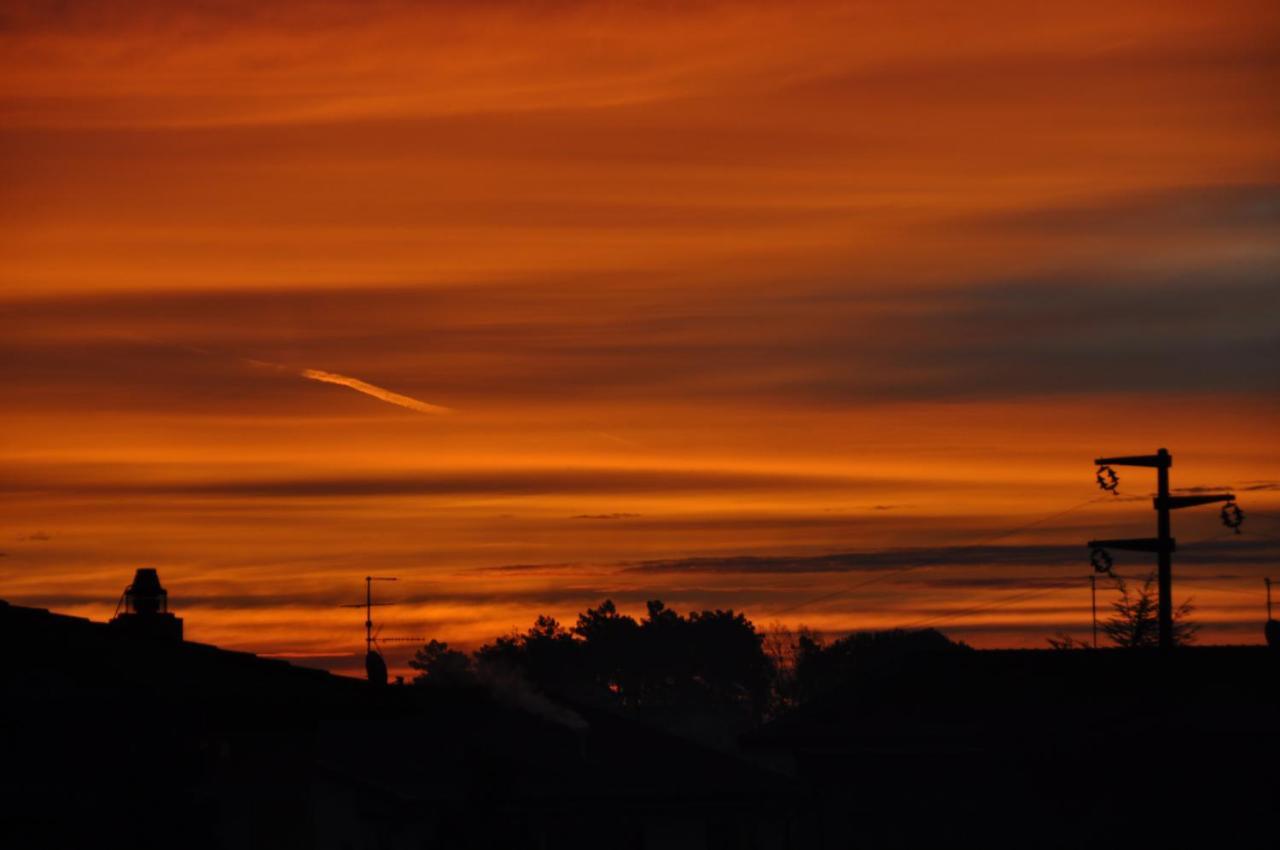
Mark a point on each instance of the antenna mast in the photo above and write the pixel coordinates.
(375, 665)
(368, 608)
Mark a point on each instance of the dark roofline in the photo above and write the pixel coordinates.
(21, 618)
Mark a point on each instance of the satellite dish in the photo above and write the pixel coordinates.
(375, 668)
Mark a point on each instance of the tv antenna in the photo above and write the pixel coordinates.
(368, 606)
(374, 664)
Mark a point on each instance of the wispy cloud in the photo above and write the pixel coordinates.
(450, 482)
(375, 391)
(1210, 552)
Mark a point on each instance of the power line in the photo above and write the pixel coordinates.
(1032, 594)
(1212, 538)
(1203, 583)
(935, 561)
(1253, 513)
(978, 609)
(1218, 589)
(1255, 535)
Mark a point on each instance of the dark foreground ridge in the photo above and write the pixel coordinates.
(108, 738)
(1041, 748)
(115, 737)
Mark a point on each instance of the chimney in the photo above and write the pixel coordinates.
(146, 610)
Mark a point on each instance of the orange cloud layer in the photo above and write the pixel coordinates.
(714, 281)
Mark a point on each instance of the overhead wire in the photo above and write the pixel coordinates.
(891, 573)
(978, 609)
(1213, 586)
(1032, 594)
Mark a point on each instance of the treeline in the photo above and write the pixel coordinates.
(710, 673)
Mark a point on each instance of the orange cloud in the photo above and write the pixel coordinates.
(741, 273)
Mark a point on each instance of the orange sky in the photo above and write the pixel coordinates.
(536, 303)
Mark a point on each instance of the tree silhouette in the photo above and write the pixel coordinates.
(729, 664)
(440, 665)
(708, 674)
(705, 674)
(780, 645)
(1066, 641)
(611, 650)
(546, 655)
(1135, 623)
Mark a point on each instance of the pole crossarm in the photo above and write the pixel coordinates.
(1163, 544)
(1158, 461)
(1174, 502)
(1136, 544)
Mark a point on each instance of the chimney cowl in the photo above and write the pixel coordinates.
(145, 611)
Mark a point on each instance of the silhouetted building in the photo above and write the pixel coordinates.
(199, 747)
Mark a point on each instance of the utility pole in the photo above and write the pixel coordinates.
(1163, 544)
(1272, 628)
(1093, 601)
(1164, 532)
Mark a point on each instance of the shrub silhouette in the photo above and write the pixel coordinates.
(1135, 623)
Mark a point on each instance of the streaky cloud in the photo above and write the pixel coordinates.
(375, 391)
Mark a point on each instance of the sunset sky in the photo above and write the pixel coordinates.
(772, 306)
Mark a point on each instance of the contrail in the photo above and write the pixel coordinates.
(310, 374)
(377, 392)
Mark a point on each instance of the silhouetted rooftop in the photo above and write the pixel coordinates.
(122, 717)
